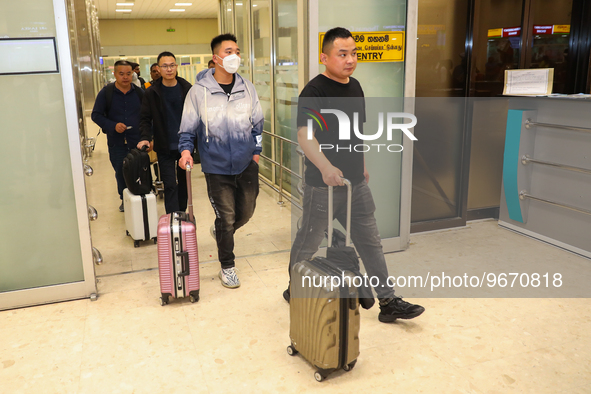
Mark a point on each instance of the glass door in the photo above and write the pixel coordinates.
(45, 235)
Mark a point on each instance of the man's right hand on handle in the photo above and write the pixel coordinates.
(144, 143)
(332, 176)
(120, 128)
(185, 159)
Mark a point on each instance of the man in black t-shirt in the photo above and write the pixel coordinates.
(160, 120)
(327, 163)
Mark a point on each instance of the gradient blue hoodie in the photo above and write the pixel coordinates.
(234, 124)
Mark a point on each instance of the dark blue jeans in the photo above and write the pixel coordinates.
(364, 229)
(175, 182)
(233, 198)
(116, 154)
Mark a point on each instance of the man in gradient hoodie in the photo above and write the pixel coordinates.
(223, 116)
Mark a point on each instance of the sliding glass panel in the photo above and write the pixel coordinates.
(441, 73)
(496, 48)
(241, 8)
(261, 27)
(39, 236)
(286, 78)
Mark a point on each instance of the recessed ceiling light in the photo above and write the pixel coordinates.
(255, 5)
(177, 10)
(238, 3)
(229, 9)
(123, 10)
(125, 4)
(183, 4)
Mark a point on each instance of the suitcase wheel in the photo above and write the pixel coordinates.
(155, 240)
(348, 367)
(126, 232)
(163, 300)
(194, 296)
(136, 244)
(318, 376)
(291, 351)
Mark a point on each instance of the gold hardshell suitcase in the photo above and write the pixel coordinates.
(324, 319)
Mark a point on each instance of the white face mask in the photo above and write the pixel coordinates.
(231, 63)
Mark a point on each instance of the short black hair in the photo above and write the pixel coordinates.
(122, 63)
(134, 65)
(333, 34)
(165, 54)
(152, 66)
(209, 63)
(217, 41)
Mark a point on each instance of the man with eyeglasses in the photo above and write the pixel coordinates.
(160, 120)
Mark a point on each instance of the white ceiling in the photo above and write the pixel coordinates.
(157, 9)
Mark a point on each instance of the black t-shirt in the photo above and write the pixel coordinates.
(173, 103)
(325, 93)
(228, 88)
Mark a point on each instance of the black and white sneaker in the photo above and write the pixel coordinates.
(397, 308)
(121, 207)
(229, 278)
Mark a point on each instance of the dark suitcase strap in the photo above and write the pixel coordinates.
(145, 215)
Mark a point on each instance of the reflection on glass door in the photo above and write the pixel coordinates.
(496, 45)
(551, 39)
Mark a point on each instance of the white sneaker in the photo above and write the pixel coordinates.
(229, 278)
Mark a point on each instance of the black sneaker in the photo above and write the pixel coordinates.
(287, 295)
(397, 308)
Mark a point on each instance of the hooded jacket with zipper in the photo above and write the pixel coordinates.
(234, 124)
(153, 123)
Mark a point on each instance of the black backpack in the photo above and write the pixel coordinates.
(137, 172)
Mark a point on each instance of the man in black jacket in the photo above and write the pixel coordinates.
(160, 120)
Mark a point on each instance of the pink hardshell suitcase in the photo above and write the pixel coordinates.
(178, 260)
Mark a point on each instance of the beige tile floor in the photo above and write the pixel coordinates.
(235, 340)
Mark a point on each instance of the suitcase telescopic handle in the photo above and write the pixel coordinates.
(190, 194)
(330, 213)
